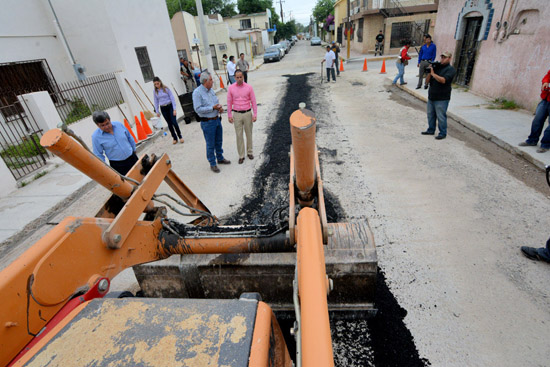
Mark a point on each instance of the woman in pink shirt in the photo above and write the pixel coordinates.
(242, 112)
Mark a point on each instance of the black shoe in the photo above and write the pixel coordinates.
(427, 133)
(440, 137)
(532, 253)
(215, 169)
(526, 144)
(426, 86)
(224, 161)
(241, 160)
(418, 87)
(250, 156)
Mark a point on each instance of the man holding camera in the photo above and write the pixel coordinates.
(439, 79)
(542, 112)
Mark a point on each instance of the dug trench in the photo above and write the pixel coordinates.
(381, 340)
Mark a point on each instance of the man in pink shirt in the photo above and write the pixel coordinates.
(240, 101)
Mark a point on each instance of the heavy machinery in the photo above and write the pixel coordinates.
(54, 312)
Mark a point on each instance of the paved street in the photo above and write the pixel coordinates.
(448, 217)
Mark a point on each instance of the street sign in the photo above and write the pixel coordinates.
(196, 41)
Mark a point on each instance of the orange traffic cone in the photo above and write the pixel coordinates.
(365, 65)
(221, 83)
(145, 125)
(130, 130)
(140, 132)
(341, 65)
(383, 70)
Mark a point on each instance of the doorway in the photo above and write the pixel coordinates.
(214, 57)
(468, 51)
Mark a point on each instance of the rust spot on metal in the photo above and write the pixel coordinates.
(71, 228)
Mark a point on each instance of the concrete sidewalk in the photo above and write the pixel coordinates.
(506, 128)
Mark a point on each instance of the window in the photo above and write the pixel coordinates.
(246, 24)
(145, 64)
(399, 33)
(360, 30)
(182, 53)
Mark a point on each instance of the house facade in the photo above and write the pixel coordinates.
(501, 48)
(399, 20)
(255, 24)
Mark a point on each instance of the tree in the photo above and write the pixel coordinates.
(286, 30)
(322, 10)
(224, 7)
(253, 6)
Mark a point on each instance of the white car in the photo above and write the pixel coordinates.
(282, 48)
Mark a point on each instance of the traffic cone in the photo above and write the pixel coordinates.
(140, 132)
(130, 130)
(145, 125)
(365, 65)
(383, 70)
(221, 83)
(341, 65)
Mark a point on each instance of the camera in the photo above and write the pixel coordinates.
(433, 64)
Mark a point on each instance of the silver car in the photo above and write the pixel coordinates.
(315, 41)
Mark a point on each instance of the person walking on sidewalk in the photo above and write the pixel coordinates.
(427, 54)
(243, 66)
(379, 43)
(240, 100)
(209, 109)
(231, 67)
(113, 140)
(164, 97)
(440, 79)
(402, 61)
(541, 114)
(330, 58)
(336, 50)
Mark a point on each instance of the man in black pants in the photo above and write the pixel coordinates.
(379, 43)
(113, 140)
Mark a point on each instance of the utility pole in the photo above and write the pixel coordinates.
(281, 4)
(205, 43)
(348, 30)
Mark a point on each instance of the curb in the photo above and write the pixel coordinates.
(484, 134)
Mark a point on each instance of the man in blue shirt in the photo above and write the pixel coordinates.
(113, 140)
(209, 109)
(427, 54)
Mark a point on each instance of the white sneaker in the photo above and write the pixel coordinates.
(334, 81)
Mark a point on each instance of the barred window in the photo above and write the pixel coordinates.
(360, 30)
(246, 24)
(145, 64)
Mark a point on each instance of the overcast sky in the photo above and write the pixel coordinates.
(299, 9)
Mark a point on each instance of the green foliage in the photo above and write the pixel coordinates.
(28, 149)
(224, 7)
(79, 111)
(253, 6)
(504, 104)
(40, 174)
(286, 30)
(323, 9)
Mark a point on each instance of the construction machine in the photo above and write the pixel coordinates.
(56, 309)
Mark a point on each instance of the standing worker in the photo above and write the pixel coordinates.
(336, 51)
(165, 98)
(330, 57)
(402, 61)
(440, 81)
(113, 140)
(427, 54)
(379, 43)
(231, 67)
(187, 75)
(542, 112)
(243, 66)
(209, 109)
(240, 100)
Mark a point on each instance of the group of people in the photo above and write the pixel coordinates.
(232, 67)
(331, 59)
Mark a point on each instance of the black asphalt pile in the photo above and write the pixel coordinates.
(382, 340)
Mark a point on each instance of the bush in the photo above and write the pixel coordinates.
(504, 104)
(28, 149)
(79, 111)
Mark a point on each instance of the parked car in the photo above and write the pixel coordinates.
(286, 45)
(281, 48)
(272, 53)
(294, 39)
(315, 41)
(308, 37)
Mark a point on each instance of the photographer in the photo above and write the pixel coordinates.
(542, 253)
(439, 79)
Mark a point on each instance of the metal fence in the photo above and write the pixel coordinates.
(79, 99)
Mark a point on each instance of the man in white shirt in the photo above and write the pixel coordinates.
(330, 57)
(231, 67)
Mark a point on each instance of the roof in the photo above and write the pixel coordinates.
(236, 35)
(248, 15)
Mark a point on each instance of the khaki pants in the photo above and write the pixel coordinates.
(243, 120)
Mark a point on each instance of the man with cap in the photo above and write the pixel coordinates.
(336, 50)
(439, 79)
(113, 140)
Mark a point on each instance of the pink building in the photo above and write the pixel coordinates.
(501, 48)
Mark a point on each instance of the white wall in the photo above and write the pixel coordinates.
(28, 33)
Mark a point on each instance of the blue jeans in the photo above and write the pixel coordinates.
(437, 109)
(330, 71)
(213, 135)
(231, 79)
(336, 65)
(543, 111)
(400, 73)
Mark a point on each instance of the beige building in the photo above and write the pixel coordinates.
(340, 15)
(222, 37)
(399, 20)
(259, 26)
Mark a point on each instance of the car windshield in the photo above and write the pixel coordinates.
(272, 49)
(315, 39)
